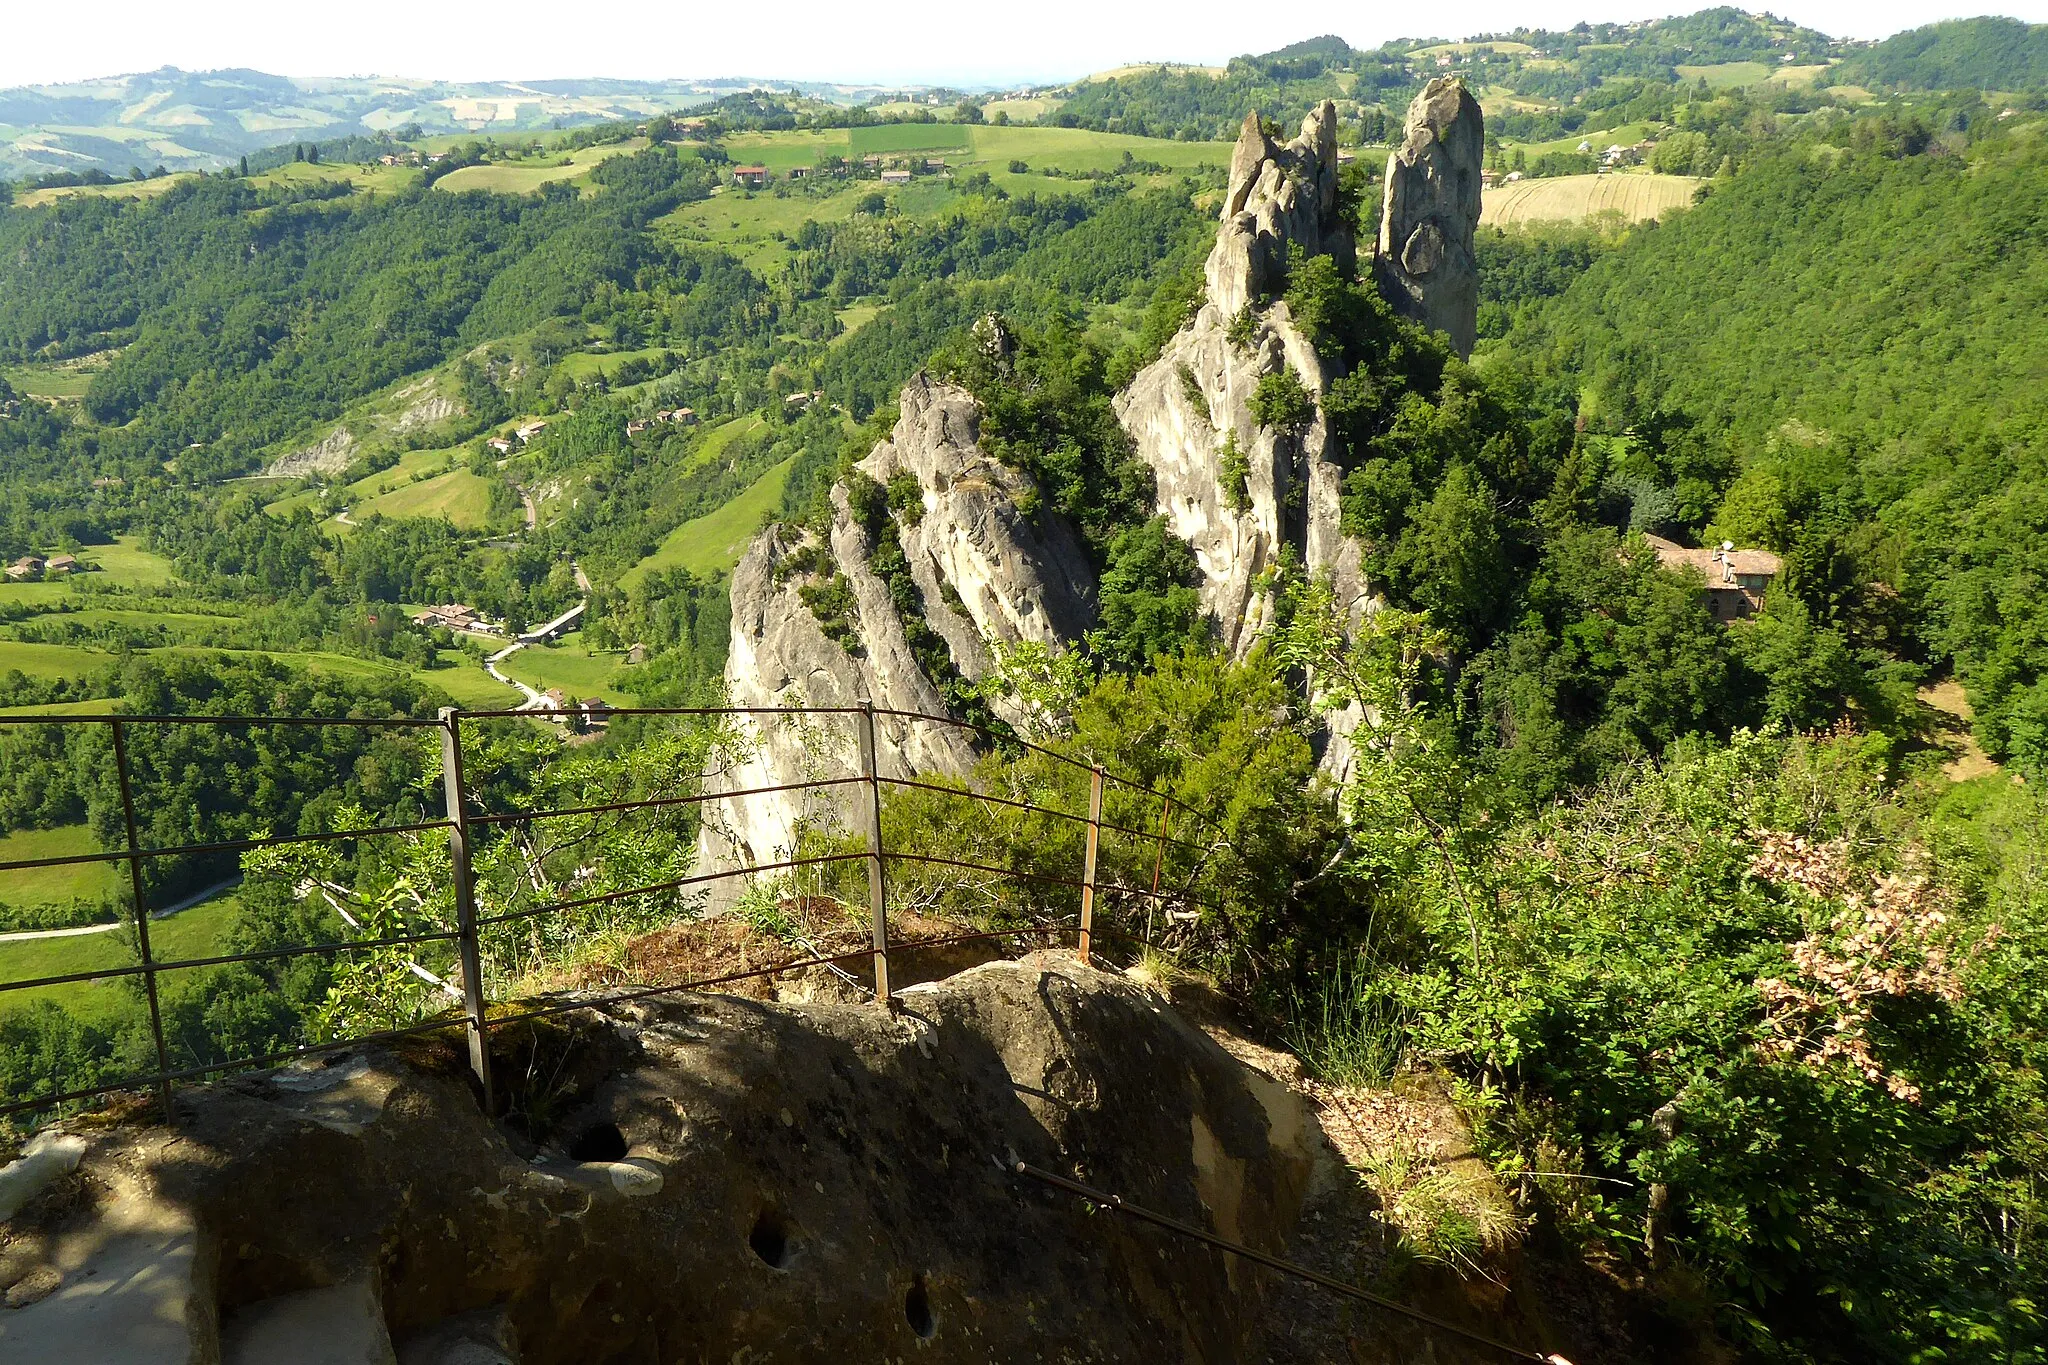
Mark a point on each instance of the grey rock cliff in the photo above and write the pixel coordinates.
(1424, 262)
(989, 576)
(1186, 408)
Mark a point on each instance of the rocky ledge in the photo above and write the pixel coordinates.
(695, 1178)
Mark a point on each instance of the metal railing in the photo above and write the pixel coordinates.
(461, 821)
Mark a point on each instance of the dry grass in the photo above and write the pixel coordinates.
(1569, 198)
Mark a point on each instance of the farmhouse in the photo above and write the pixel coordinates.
(1736, 579)
(454, 616)
(895, 177)
(1488, 179)
(753, 177)
(28, 566)
(57, 564)
(530, 430)
(500, 444)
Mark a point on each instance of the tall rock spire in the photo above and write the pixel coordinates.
(1424, 261)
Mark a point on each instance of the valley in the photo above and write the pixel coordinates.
(1536, 540)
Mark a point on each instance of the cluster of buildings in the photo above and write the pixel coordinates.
(457, 617)
(30, 567)
(505, 445)
(898, 170)
(1617, 156)
(682, 417)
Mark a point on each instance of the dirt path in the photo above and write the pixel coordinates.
(196, 898)
(1967, 758)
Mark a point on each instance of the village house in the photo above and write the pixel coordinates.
(797, 402)
(500, 445)
(753, 177)
(1488, 179)
(935, 164)
(1736, 579)
(28, 566)
(454, 616)
(799, 172)
(637, 654)
(530, 430)
(57, 564)
(637, 425)
(895, 177)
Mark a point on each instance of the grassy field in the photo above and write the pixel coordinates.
(457, 497)
(54, 885)
(569, 666)
(1729, 75)
(515, 177)
(466, 683)
(755, 226)
(714, 542)
(1627, 135)
(1466, 49)
(197, 932)
(1567, 198)
(855, 317)
(886, 138)
(126, 564)
(128, 189)
(62, 380)
(375, 180)
(50, 661)
(582, 365)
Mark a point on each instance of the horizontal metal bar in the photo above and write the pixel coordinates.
(264, 955)
(864, 954)
(982, 796)
(989, 732)
(675, 885)
(309, 949)
(513, 817)
(361, 722)
(936, 861)
(134, 1083)
(231, 845)
(1105, 1200)
(676, 711)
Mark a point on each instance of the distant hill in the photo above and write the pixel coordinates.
(201, 120)
(1982, 54)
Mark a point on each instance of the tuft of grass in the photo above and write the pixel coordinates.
(1350, 1031)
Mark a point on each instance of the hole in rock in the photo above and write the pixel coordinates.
(917, 1310)
(770, 1240)
(604, 1142)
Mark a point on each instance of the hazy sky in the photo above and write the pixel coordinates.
(904, 40)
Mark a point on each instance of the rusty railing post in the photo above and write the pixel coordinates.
(877, 883)
(455, 794)
(1088, 867)
(149, 968)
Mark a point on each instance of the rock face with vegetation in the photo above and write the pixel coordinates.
(691, 1178)
(931, 565)
(1424, 263)
(1241, 477)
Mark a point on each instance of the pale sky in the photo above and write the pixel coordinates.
(921, 41)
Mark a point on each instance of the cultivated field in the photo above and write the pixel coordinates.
(1568, 198)
(525, 177)
(457, 497)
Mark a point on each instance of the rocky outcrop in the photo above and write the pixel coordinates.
(690, 1179)
(1424, 262)
(987, 575)
(1188, 411)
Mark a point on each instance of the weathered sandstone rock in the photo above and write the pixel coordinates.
(700, 1179)
(1424, 262)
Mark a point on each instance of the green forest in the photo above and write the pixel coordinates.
(1726, 936)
